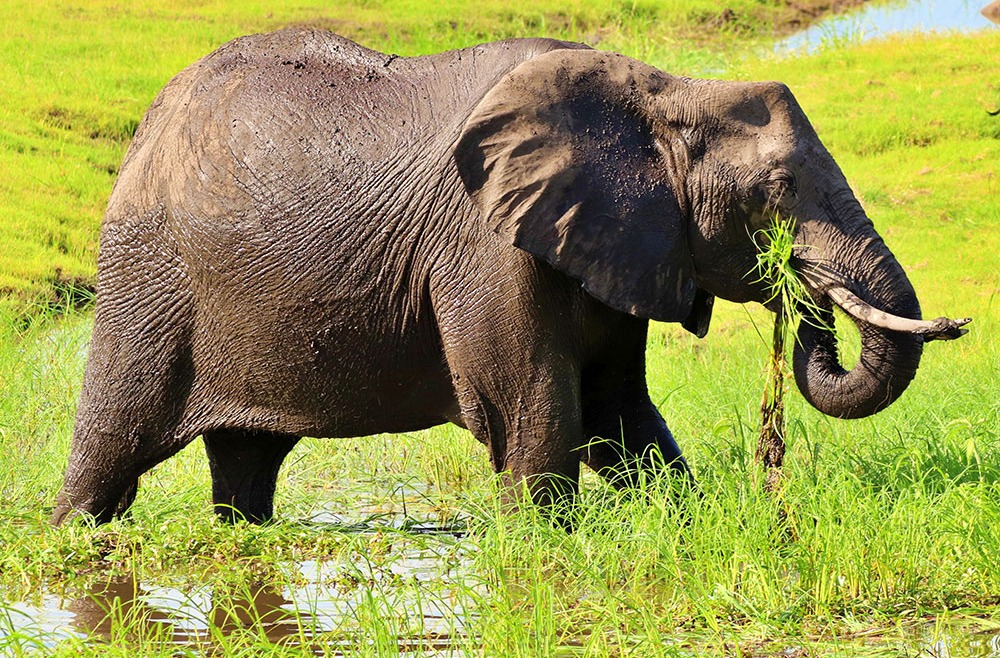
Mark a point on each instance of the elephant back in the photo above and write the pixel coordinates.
(238, 132)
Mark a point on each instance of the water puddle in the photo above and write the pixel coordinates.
(882, 19)
(960, 638)
(410, 600)
(397, 577)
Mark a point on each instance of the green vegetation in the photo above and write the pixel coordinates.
(886, 531)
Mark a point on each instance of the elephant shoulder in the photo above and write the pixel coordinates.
(506, 55)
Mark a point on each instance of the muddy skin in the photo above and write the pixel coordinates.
(310, 238)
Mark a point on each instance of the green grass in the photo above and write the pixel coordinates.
(886, 533)
(881, 523)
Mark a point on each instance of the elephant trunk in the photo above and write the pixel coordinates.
(889, 357)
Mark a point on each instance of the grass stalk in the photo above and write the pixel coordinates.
(776, 245)
(771, 441)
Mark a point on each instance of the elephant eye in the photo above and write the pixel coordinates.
(779, 188)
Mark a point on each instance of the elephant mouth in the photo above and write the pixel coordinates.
(941, 328)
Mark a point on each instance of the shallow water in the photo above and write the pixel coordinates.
(320, 616)
(959, 639)
(412, 599)
(882, 19)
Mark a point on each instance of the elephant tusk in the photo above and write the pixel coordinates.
(937, 329)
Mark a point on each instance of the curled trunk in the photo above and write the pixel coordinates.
(889, 358)
(887, 364)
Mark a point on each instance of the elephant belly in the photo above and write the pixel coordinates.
(349, 377)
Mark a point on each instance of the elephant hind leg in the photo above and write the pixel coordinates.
(122, 430)
(106, 501)
(633, 444)
(139, 369)
(244, 465)
(102, 481)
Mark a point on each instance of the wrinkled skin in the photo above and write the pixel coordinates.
(309, 238)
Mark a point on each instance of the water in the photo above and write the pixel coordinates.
(415, 596)
(321, 615)
(882, 19)
(405, 581)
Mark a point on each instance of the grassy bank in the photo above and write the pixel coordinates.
(886, 536)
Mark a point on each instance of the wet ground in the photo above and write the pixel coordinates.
(419, 590)
(410, 591)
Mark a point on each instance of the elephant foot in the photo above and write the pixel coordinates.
(244, 466)
(102, 508)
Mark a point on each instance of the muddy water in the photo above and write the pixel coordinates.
(881, 19)
(406, 583)
(416, 595)
(320, 616)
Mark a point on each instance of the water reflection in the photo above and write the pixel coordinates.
(960, 639)
(412, 600)
(38, 626)
(119, 608)
(881, 19)
(339, 607)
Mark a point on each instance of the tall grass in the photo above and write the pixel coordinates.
(879, 522)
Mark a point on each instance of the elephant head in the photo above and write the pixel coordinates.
(649, 189)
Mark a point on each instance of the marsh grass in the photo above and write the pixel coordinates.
(775, 247)
(882, 522)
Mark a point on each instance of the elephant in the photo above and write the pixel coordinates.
(992, 11)
(311, 238)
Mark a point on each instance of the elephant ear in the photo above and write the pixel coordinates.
(563, 160)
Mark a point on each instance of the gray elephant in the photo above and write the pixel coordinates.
(310, 238)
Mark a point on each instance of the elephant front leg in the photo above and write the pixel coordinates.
(628, 439)
(514, 358)
(526, 410)
(626, 448)
(244, 466)
(532, 440)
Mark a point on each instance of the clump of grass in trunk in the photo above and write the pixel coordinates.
(771, 442)
(776, 244)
